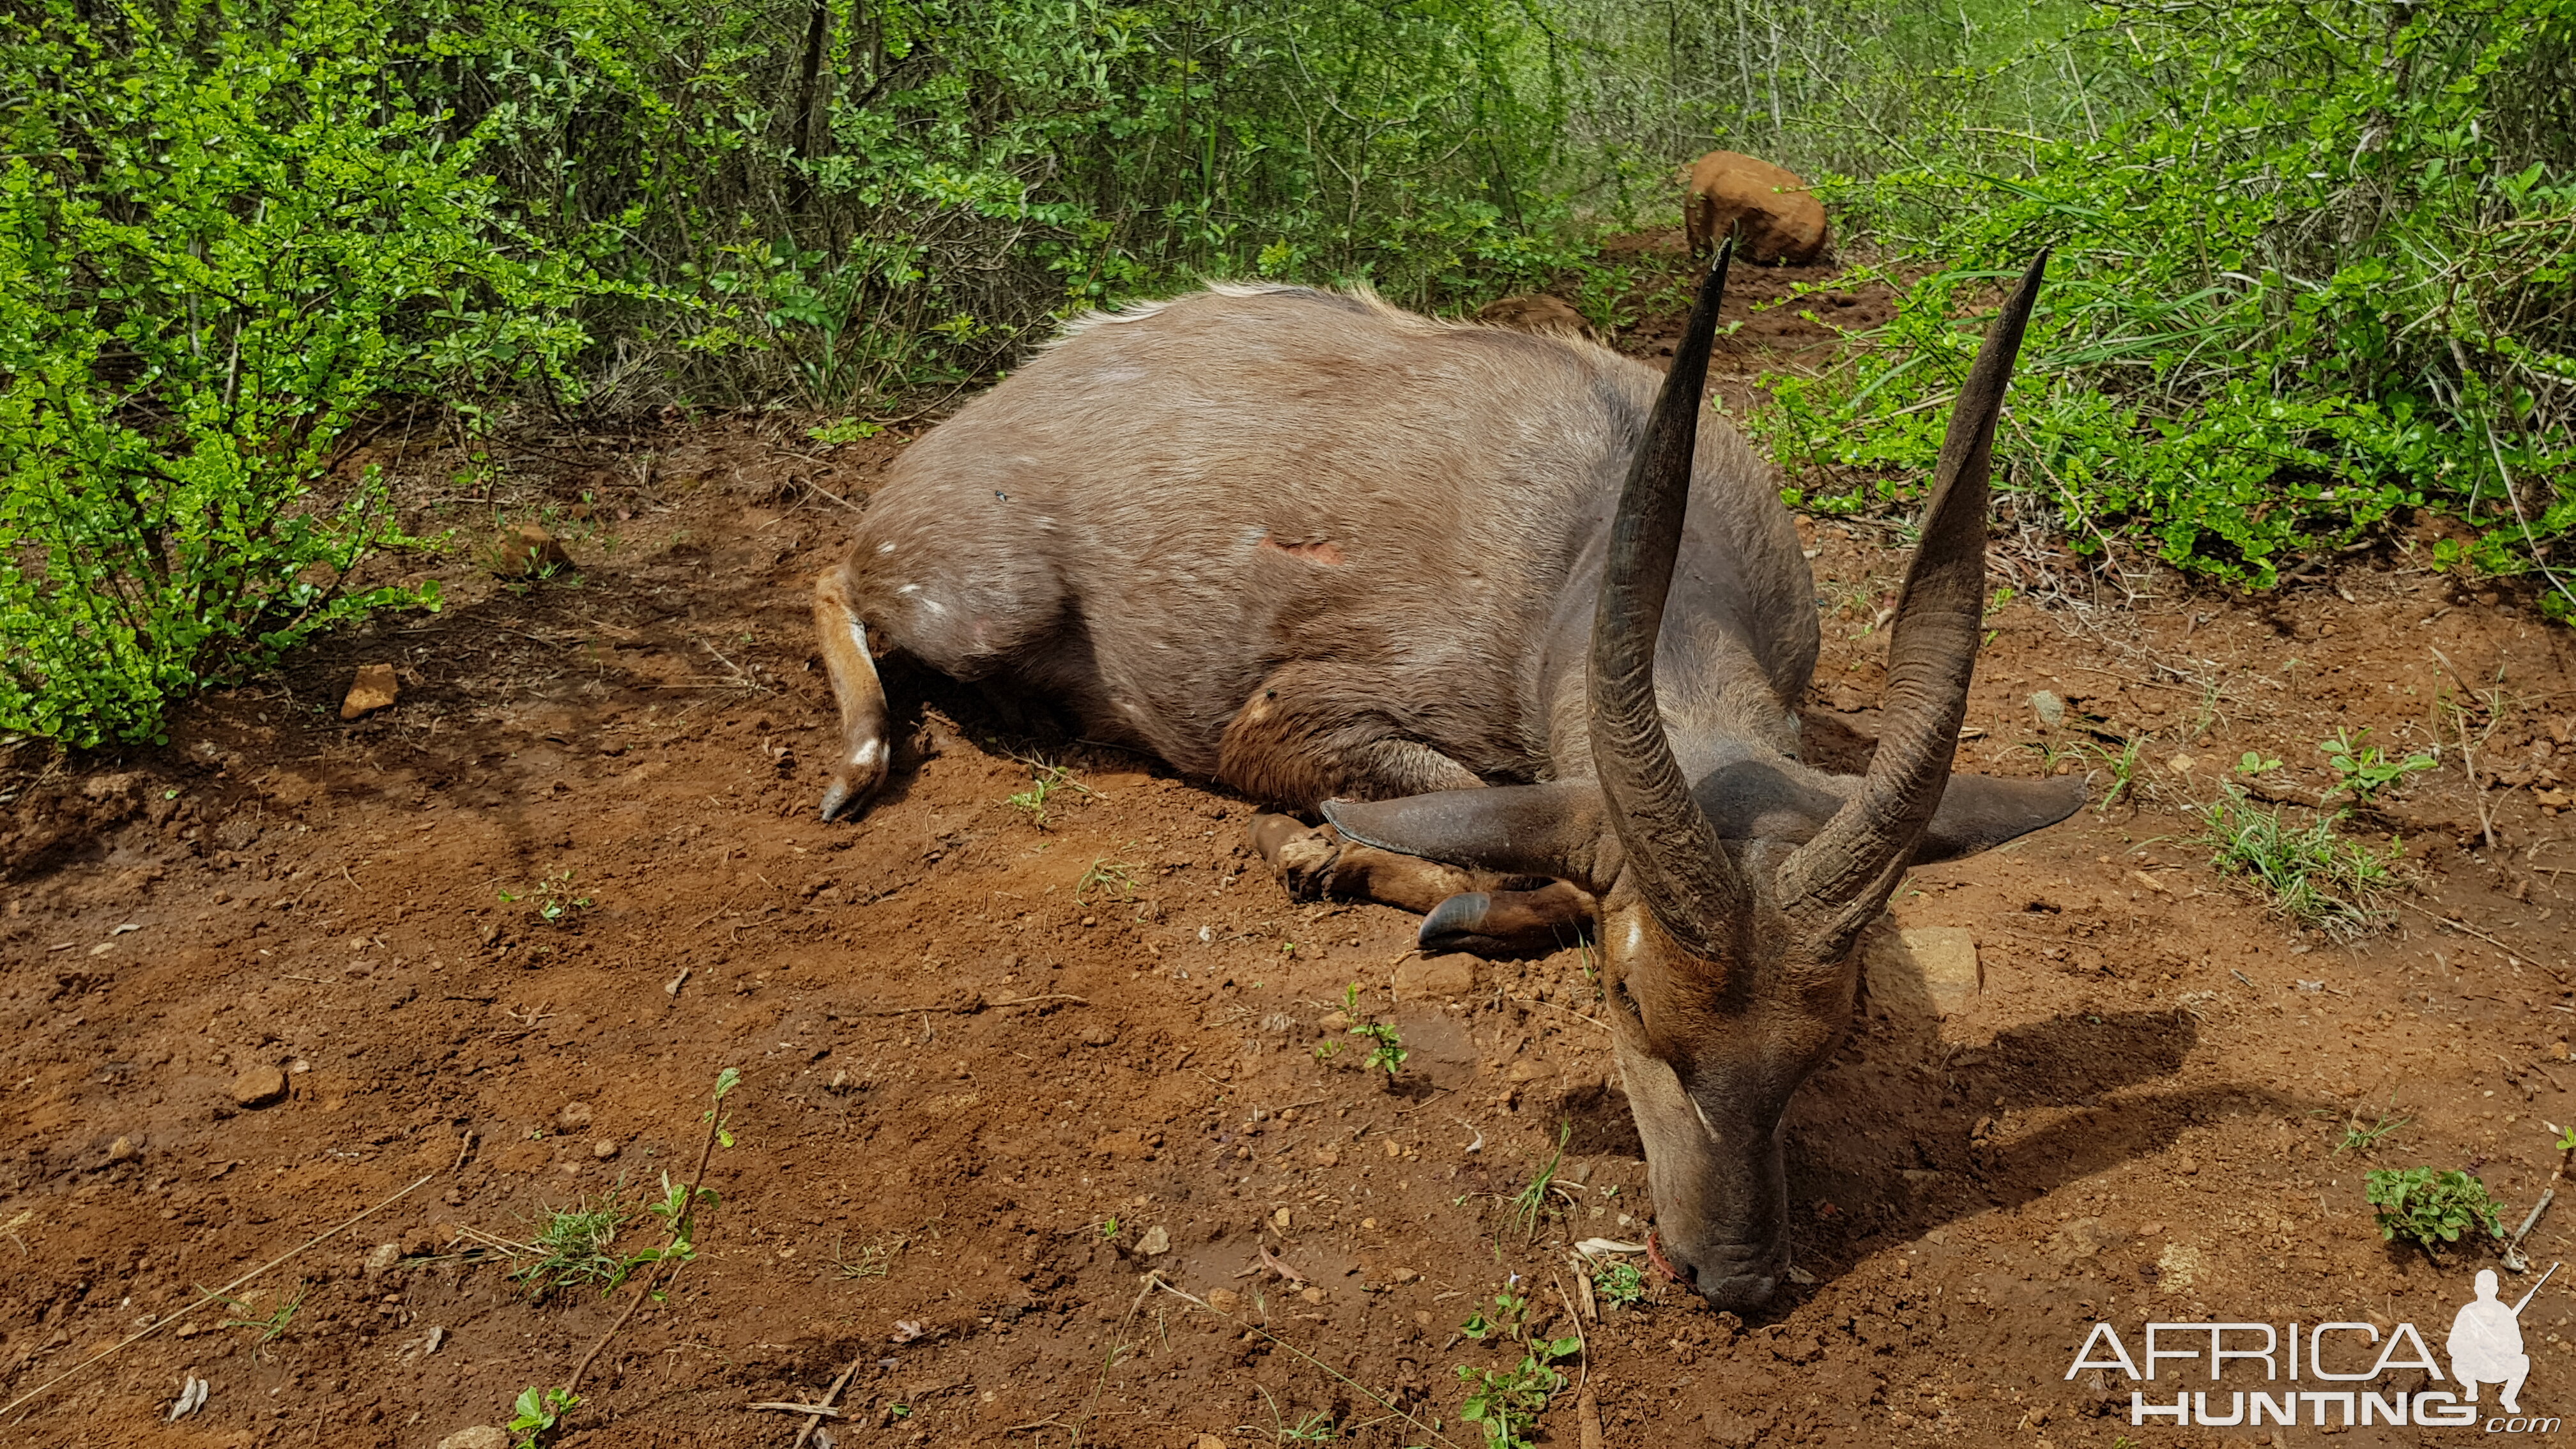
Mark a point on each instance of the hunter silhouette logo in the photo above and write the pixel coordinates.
(2349, 1359)
(2486, 1342)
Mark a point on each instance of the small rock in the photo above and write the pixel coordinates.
(124, 1149)
(1225, 1301)
(1312, 1295)
(2181, 764)
(1327, 1157)
(383, 1258)
(528, 551)
(481, 1436)
(1098, 1036)
(1335, 1021)
(573, 1117)
(374, 689)
(1435, 978)
(1522, 1072)
(1280, 1220)
(1922, 967)
(603, 1149)
(1208, 1441)
(2050, 709)
(259, 1087)
(1157, 1240)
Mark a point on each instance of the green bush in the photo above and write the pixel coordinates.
(2428, 1207)
(218, 247)
(2323, 273)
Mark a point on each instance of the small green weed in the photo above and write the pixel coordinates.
(555, 901)
(2362, 772)
(2254, 762)
(1506, 1402)
(1114, 879)
(1045, 782)
(2358, 1137)
(2430, 1207)
(2313, 874)
(1529, 1205)
(847, 430)
(2124, 773)
(1620, 1285)
(272, 1324)
(538, 1411)
(2055, 758)
(1388, 1050)
(576, 1246)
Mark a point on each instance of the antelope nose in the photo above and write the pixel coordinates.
(1732, 1276)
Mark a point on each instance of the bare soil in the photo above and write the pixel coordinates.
(998, 1065)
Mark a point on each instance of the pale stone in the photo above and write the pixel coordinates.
(1435, 978)
(372, 690)
(1922, 970)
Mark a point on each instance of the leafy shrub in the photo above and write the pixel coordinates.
(2430, 1207)
(2323, 274)
(219, 247)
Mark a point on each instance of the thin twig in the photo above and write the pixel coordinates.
(142, 1334)
(974, 1004)
(1155, 1280)
(824, 1405)
(697, 1179)
(2516, 952)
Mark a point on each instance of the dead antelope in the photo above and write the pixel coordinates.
(1528, 633)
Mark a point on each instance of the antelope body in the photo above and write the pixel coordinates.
(1519, 619)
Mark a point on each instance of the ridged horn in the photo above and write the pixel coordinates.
(1686, 878)
(1842, 876)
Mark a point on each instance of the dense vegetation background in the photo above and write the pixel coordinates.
(2313, 260)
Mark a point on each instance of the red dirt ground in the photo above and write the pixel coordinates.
(995, 1069)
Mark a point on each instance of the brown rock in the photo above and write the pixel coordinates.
(603, 1149)
(1541, 314)
(1922, 970)
(481, 1436)
(1225, 1301)
(1782, 220)
(374, 689)
(528, 551)
(382, 1259)
(572, 1117)
(124, 1149)
(259, 1087)
(1435, 978)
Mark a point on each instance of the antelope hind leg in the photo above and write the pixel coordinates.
(866, 754)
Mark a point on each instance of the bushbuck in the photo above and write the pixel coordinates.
(1527, 632)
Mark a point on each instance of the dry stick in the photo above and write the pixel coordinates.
(1156, 1281)
(2515, 952)
(2468, 757)
(823, 1405)
(697, 1179)
(974, 1005)
(142, 1334)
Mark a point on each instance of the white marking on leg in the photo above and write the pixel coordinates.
(865, 756)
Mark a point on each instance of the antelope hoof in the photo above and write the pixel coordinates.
(856, 782)
(1302, 854)
(1456, 924)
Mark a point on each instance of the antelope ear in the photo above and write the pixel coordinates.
(1980, 812)
(1557, 830)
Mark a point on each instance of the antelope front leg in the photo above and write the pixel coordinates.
(866, 754)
